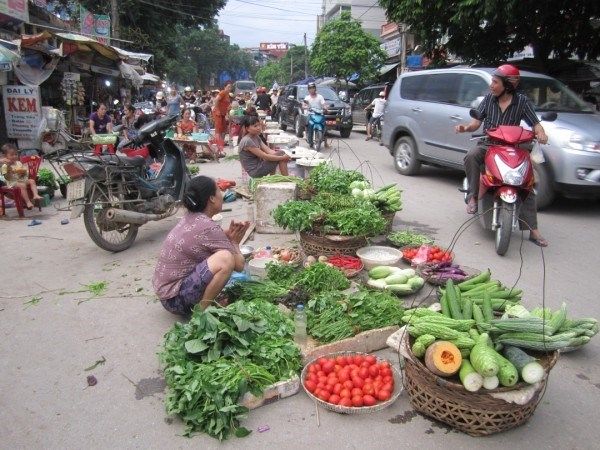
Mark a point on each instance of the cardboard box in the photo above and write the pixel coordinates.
(272, 393)
(365, 342)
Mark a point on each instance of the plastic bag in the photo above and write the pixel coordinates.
(537, 156)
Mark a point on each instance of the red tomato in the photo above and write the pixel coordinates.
(363, 372)
(369, 400)
(365, 364)
(341, 361)
(387, 372)
(368, 389)
(323, 379)
(354, 373)
(337, 368)
(321, 386)
(369, 380)
(310, 386)
(373, 371)
(371, 359)
(358, 382)
(337, 388)
(348, 384)
(377, 385)
(335, 399)
(356, 391)
(358, 359)
(328, 367)
(313, 377)
(345, 402)
(345, 393)
(324, 395)
(388, 379)
(357, 400)
(322, 361)
(387, 387)
(320, 373)
(312, 368)
(384, 395)
(343, 376)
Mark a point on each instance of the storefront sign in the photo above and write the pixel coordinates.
(17, 9)
(105, 71)
(392, 47)
(23, 111)
(96, 25)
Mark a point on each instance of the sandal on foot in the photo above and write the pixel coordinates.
(540, 242)
(471, 208)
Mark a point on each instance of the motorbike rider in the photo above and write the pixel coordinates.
(188, 96)
(503, 105)
(377, 105)
(263, 101)
(161, 104)
(313, 101)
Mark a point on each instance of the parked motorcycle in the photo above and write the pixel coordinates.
(507, 179)
(316, 121)
(115, 194)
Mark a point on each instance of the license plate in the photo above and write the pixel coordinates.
(330, 122)
(76, 190)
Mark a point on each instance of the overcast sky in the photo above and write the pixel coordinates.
(250, 22)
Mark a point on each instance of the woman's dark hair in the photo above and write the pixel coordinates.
(248, 121)
(251, 111)
(130, 108)
(198, 192)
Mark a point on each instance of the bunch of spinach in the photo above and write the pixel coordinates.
(297, 215)
(254, 290)
(365, 220)
(219, 355)
(374, 309)
(319, 277)
(327, 318)
(326, 178)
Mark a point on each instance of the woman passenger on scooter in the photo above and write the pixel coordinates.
(503, 106)
(198, 256)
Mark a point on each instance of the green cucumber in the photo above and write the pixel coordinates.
(483, 277)
(453, 304)
(467, 310)
(531, 371)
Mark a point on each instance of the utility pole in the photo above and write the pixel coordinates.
(291, 67)
(305, 58)
(114, 18)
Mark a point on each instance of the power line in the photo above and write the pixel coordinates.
(274, 7)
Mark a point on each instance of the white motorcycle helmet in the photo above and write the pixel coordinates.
(187, 89)
(160, 95)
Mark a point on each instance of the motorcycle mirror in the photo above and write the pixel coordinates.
(475, 114)
(549, 116)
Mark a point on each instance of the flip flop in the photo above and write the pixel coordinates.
(471, 208)
(540, 242)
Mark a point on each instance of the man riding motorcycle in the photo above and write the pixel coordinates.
(314, 101)
(188, 96)
(503, 106)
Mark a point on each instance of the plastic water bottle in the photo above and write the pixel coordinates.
(268, 252)
(300, 325)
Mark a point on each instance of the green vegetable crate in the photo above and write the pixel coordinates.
(475, 413)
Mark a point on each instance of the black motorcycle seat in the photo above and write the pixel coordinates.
(136, 161)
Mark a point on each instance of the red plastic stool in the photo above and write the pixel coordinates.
(99, 147)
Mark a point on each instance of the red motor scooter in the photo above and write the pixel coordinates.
(507, 179)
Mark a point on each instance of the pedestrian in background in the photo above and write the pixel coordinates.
(174, 102)
(221, 109)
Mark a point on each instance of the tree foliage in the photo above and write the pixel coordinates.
(343, 48)
(487, 31)
(288, 69)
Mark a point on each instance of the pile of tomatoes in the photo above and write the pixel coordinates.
(432, 253)
(351, 381)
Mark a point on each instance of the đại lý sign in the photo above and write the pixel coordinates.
(22, 110)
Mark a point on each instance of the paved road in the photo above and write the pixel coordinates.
(49, 338)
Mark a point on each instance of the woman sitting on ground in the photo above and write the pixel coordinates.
(198, 256)
(256, 157)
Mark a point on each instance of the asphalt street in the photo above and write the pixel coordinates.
(53, 330)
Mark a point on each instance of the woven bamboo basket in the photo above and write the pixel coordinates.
(389, 222)
(474, 413)
(330, 245)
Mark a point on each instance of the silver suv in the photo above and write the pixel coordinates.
(423, 108)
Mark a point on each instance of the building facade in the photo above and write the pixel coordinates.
(367, 12)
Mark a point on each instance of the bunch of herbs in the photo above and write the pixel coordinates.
(326, 178)
(365, 220)
(298, 215)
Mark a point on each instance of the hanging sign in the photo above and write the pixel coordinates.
(22, 110)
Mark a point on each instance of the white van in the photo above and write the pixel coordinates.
(244, 86)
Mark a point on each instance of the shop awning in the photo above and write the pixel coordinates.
(128, 72)
(85, 43)
(385, 69)
(133, 56)
(150, 77)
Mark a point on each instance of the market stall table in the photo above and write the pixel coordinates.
(203, 143)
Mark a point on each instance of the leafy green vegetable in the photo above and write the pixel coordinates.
(326, 178)
(221, 354)
(297, 215)
(407, 237)
(319, 277)
(282, 274)
(361, 221)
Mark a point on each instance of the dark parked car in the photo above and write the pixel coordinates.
(364, 99)
(290, 111)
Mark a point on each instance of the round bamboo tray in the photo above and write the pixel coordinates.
(474, 413)
(355, 409)
(330, 245)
